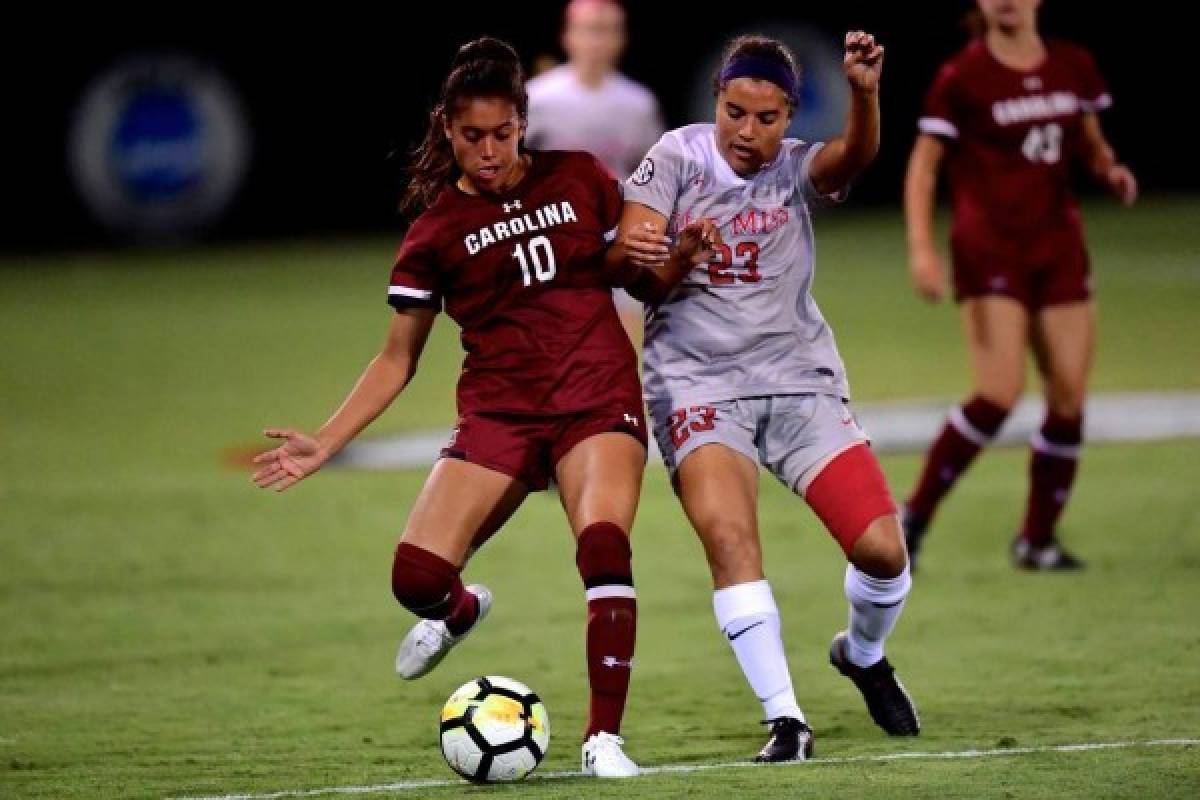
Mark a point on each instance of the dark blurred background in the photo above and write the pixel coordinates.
(318, 108)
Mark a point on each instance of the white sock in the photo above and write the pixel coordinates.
(875, 605)
(749, 618)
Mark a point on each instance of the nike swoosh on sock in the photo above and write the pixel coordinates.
(733, 636)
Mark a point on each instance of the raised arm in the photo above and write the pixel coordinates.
(842, 159)
(380, 383)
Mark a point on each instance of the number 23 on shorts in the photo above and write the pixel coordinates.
(685, 421)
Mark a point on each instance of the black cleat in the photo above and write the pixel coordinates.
(914, 531)
(887, 700)
(791, 740)
(1046, 557)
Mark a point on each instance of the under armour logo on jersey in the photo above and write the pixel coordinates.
(631, 419)
(613, 661)
(515, 205)
(644, 173)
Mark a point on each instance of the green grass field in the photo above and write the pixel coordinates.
(168, 630)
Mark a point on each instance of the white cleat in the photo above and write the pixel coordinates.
(603, 757)
(428, 642)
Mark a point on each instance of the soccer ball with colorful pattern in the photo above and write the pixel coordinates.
(494, 729)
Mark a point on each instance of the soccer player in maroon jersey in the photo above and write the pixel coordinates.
(1009, 115)
(511, 243)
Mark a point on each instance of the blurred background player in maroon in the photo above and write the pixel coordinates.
(587, 104)
(510, 242)
(1009, 115)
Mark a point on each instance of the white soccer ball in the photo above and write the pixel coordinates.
(494, 729)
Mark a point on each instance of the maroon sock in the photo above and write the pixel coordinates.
(965, 433)
(430, 587)
(604, 560)
(463, 613)
(1052, 468)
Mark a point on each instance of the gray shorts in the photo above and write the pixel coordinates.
(792, 435)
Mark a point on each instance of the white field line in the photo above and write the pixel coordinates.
(894, 428)
(406, 786)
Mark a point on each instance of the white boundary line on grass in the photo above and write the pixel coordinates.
(894, 427)
(406, 786)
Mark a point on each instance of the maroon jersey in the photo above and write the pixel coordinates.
(522, 276)
(1013, 135)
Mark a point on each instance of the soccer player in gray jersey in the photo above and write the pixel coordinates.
(741, 369)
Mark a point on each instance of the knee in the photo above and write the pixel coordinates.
(1065, 401)
(1001, 387)
(880, 552)
(734, 555)
(997, 401)
(422, 581)
(981, 416)
(1065, 387)
(1061, 429)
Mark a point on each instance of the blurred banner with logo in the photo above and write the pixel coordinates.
(158, 146)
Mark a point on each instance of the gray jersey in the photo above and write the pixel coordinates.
(745, 325)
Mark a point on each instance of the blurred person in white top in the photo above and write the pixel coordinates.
(586, 104)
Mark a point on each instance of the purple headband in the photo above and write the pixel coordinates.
(765, 70)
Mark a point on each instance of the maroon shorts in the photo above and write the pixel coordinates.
(528, 448)
(1047, 270)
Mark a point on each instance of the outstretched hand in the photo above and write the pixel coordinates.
(298, 457)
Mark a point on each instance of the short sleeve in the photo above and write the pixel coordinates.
(656, 182)
(414, 282)
(941, 112)
(1093, 91)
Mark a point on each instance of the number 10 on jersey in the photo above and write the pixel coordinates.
(536, 258)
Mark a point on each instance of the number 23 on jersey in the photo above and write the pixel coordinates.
(724, 270)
